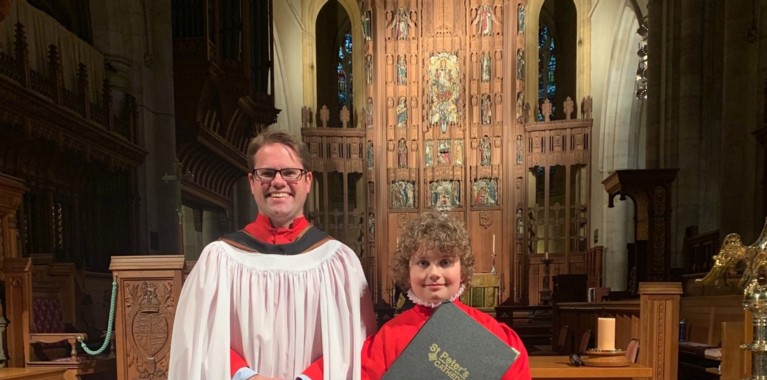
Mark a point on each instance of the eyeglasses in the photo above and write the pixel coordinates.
(576, 360)
(288, 174)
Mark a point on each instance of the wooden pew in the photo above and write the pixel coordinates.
(653, 319)
(713, 321)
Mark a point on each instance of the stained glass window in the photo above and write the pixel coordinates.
(345, 71)
(547, 67)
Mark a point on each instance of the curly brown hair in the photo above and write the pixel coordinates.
(428, 230)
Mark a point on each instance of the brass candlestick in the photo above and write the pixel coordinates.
(754, 284)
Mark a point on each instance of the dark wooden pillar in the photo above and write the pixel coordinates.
(650, 189)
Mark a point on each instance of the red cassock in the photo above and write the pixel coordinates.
(381, 349)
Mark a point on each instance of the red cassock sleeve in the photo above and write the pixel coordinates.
(237, 362)
(316, 370)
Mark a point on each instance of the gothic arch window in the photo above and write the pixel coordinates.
(344, 70)
(557, 215)
(547, 61)
(334, 61)
(557, 50)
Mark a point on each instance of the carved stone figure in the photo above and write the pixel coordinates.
(401, 70)
(429, 154)
(484, 20)
(324, 116)
(484, 151)
(371, 226)
(520, 64)
(401, 24)
(369, 69)
(402, 153)
(526, 113)
(586, 107)
(568, 107)
(485, 70)
(366, 25)
(402, 112)
(369, 113)
(458, 149)
(546, 110)
(306, 117)
(344, 116)
(371, 154)
(521, 18)
(485, 109)
(444, 152)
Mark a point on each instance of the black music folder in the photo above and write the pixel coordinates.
(452, 345)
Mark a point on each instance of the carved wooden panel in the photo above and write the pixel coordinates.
(11, 195)
(148, 291)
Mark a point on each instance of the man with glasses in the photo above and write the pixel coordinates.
(278, 294)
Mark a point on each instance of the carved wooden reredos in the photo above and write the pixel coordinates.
(444, 123)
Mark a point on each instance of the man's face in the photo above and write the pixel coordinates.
(280, 200)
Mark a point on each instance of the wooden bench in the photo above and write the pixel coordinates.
(712, 321)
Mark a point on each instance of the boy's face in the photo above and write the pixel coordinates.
(434, 276)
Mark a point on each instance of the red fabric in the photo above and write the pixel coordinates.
(316, 370)
(237, 362)
(262, 230)
(49, 315)
(380, 350)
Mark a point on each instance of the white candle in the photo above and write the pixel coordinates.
(493, 243)
(546, 256)
(606, 334)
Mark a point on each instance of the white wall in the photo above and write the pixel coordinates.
(288, 86)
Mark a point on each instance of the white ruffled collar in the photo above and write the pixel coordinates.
(411, 295)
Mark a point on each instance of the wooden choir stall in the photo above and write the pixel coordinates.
(149, 287)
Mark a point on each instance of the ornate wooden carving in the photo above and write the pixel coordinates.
(148, 290)
(11, 196)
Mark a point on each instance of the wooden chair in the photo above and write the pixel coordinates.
(561, 347)
(47, 343)
(584, 343)
(632, 350)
